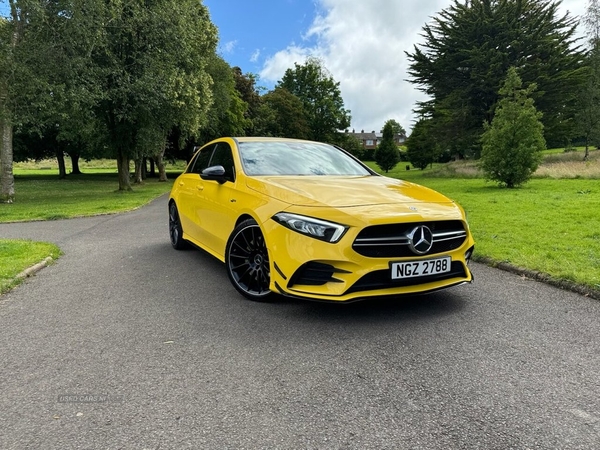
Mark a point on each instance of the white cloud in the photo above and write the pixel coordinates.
(363, 45)
(228, 47)
(276, 65)
(255, 56)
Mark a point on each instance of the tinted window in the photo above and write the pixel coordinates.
(297, 158)
(201, 160)
(222, 157)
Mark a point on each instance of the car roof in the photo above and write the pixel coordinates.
(268, 139)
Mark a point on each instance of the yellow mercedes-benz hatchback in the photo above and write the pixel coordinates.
(307, 219)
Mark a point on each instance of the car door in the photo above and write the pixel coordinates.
(217, 209)
(190, 193)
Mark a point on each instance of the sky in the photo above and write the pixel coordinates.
(361, 43)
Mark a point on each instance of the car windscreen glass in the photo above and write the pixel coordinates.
(297, 158)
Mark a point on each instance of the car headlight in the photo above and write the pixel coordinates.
(319, 229)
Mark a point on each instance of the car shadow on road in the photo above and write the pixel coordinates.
(384, 310)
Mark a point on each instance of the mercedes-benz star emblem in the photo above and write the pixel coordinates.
(420, 240)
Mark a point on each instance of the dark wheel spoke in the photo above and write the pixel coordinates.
(244, 249)
(248, 242)
(236, 269)
(264, 276)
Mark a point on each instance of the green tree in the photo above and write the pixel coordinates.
(321, 98)
(386, 154)
(468, 48)
(153, 65)
(44, 68)
(227, 115)
(128, 71)
(22, 87)
(283, 115)
(422, 147)
(248, 91)
(396, 127)
(513, 142)
(28, 59)
(65, 119)
(351, 144)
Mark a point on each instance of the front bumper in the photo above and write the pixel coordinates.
(305, 267)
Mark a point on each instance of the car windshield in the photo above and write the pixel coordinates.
(297, 158)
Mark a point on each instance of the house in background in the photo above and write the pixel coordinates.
(371, 140)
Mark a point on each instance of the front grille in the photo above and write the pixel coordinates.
(391, 241)
(381, 279)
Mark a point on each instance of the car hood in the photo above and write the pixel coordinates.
(343, 192)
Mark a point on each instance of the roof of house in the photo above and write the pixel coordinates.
(369, 135)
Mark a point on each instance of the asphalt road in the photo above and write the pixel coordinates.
(125, 343)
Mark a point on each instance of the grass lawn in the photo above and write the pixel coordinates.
(50, 166)
(45, 197)
(17, 255)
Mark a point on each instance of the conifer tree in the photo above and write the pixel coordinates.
(512, 143)
(386, 155)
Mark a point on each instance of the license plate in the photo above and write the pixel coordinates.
(426, 267)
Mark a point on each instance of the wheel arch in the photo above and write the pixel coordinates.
(248, 216)
(243, 217)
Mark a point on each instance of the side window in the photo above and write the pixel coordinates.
(201, 160)
(190, 167)
(222, 156)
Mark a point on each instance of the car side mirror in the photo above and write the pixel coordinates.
(216, 173)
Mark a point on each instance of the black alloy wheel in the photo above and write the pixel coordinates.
(175, 230)
(247, 261)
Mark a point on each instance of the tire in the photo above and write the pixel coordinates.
(247, 261)
(175, 230)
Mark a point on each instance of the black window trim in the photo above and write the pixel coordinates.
(224, 145)
(192, 166)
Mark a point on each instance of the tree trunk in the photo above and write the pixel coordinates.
(7, 188)
(75, 163)
(162, 173)
(152, 173)
(138, 170)
(7, 178)
(123, 169)
(144, 167)
(62, 168)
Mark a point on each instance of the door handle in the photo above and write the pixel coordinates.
(200, 187)
(181, 183)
